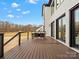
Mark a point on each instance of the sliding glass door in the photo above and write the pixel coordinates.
(61, 28)
(76, 18)
(74, 26)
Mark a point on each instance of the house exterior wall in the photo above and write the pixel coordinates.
(47, 15)
(64, 8)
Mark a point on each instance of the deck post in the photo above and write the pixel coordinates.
(19, 39)
(27, 35)
(1, 45)
(32, 35)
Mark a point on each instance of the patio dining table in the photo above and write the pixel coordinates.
(38, 34)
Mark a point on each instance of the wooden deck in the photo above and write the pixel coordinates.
(41, 49)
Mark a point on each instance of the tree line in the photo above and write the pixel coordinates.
(6, 26)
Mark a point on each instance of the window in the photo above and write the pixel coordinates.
(52, 29)
(52, 8)
(61, 28)
(76, 18)
(74, 26)
(59, 2)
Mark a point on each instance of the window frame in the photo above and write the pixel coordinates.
(59, 4)
(57, 26)
(52, 8)
(52, 30)
(72, 26)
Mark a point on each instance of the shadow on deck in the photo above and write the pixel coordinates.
(41, 49)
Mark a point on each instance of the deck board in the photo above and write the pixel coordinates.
(41, 49)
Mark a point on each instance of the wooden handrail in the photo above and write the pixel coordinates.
(13, 38)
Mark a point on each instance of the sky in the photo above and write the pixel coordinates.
(22, 11)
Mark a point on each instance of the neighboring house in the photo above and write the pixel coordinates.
(40, 29)
(61, 21)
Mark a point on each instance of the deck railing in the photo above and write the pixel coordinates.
(17, 34)
(2, 44)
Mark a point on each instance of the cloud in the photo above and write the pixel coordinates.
(33, 1)
(26, 12)
(18, 9)
(10, 15)
(14, 5)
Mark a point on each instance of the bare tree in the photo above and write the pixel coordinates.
(9, 27)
